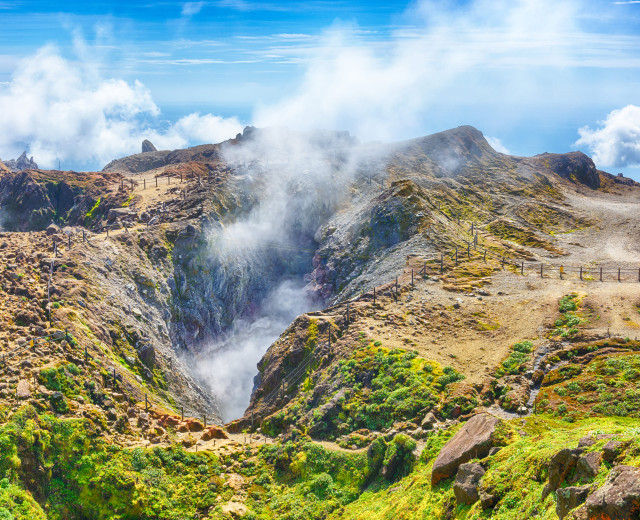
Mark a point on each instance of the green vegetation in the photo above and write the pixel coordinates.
(518, 357)
(90, 215)
(377, 387)
(608, 386)
(567, 325)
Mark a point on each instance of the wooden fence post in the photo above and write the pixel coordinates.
(69, 240)
(561, 271)
(412, 277)
(502, 261)
(144, 184)
(601, 274)
(580, 273)
(442, 264)
(468, 250)
(456, 256)
(146, 403)
(374, 303)
(156, 181)
(618, 274)
(522, 268)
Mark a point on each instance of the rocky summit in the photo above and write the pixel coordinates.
(299, 325)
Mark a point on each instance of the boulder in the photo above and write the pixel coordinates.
(468, 478)
(569, 498)
(428, 421)
(487, 500)
(213, 432)
(23, 391)
(147, 354)
(120, 213)
(473, 440)
(52, 229)
(586, 441)
(560, 466)
(611, 450)
(619, 498)
(587, 467)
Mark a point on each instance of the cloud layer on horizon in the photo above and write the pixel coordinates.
(63, 110)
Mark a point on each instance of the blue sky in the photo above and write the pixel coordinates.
(83, 82)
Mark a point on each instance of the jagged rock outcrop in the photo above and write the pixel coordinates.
(560, 466)
(4, 168)
(21, 163)
(473, 440)
(147, 146)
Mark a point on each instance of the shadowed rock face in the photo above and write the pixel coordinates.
(147, 146)
(573, 166)
(473, 440)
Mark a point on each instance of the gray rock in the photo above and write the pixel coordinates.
(147, 354)
(587, 467)
(569, 498)
(473, 440)
(611, 450)
(586, 441)
(468, 478)
(428, 421)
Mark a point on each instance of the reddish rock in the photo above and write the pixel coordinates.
(473, 440)
(191, 425)
(213, 432)
(619, 498)
(168, 420)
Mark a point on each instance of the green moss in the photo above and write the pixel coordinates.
(90, 215)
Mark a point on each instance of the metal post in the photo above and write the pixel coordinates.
(69, 240)
(146, 403)
(156, 181)
(86, 354)
(456, 256)
(107, 232)
(472, 228)
(522, 268)
(503, 262)
(468, 250)
(182, 413)
(168, 178)
(412, 277)
(84, 236)
(132, 184)
(180, 176)
(580, 273)
(374, 295)
(618, 274)
(348, 314)
(205, 420)
(144, 184)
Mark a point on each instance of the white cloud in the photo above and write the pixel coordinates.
(617, 141)
(483, 53)
(59, 109)
(192, 8)
(497, 145)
